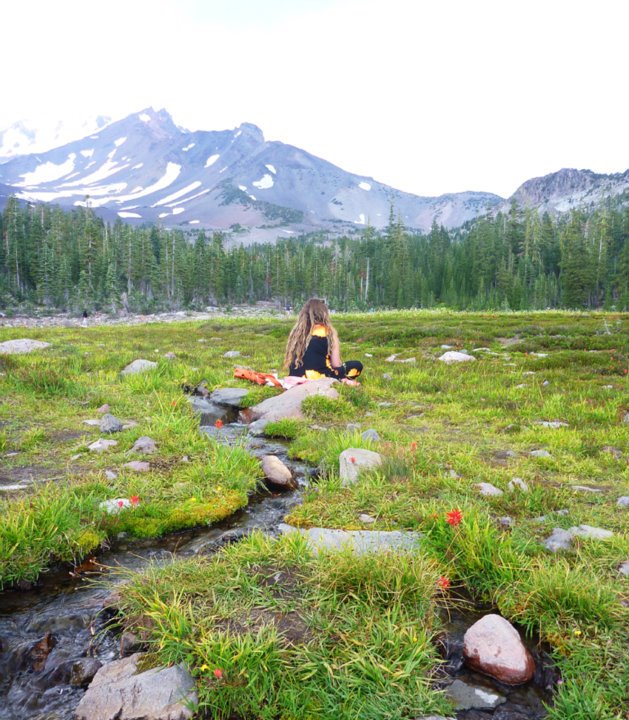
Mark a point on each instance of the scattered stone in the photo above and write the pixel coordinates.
(505, 454)
(559, 540)
(276, 472)
(231, 354)
(129, 424)
(529, 372)
(130, 643)
(545, 383)
(540, 454)
(110, 475)
(19, 347)
(92, 423)
(520, 386)
(623, 501)
(590, 532)
(614, 451)
(352, 426)
(385, 404)
(144, 445)
(624, 568)
(120, 691)
(586, 488)
(367, 519)
(353, 460)
(626, 418)
(387, 376)
(83, 670)
(288, 404)
(360, 541)
(101, 445)
(391, 358)
(453, 474)
(493, 646)
(488, 489)
(452, 356)
(113, 507)
(110, 424)
(368, 355)
(518, 483)
(506, 521)
(170, 356)
(447, 347)
(138, 466)
(371, 434)
(232, 397)
(554, 424)
(536, 354)
(103, 409)
(468, 697)
(138, 366)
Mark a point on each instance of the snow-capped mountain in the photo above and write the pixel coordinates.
(146, 169)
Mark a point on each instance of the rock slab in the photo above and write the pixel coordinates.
(452, 356)
(18, 347)
(288, 404)
(360, 541)
(120, 691)
(138, 366)
(493, 646)
(353, 460)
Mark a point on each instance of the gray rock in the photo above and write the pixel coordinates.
(138, 366)
(114, 506)
(144, 445)
(367, 519)
(232, 397)
(120, 691)
(590, 532)
(288, 404)
(352, 426)
(110, 424)
(626, 418)
(488, 489)
(100, 445)
(19, 347)
(554, 424)
(83, 670)
(586, 488)
(231, 354)
(103, 409)
(518, 483)
(623, 501)
(110, 475)
(540, 454)
(170, 356)
(276, 472)
(360, 541)
(353, 460)
(506, 521)
(371, 434)
(387, 376)
(624, 568)
(138, 466)
(467, 697)
(559, 540)
(611, 450)
(452, 356)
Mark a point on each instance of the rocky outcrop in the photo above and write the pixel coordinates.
(288, 404)
(18, 347)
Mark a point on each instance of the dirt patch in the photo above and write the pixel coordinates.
(60, 436)
(290, 626)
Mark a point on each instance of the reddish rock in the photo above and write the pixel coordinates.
(493, 646)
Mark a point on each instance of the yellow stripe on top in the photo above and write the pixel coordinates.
(319, 331)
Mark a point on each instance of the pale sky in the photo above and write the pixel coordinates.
(429, 97)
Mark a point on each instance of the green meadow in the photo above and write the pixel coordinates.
(271, 630)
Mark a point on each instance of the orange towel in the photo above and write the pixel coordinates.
(257, 377)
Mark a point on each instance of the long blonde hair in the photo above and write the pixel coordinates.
(314, 312)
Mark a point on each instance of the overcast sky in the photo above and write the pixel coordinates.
(429, 97)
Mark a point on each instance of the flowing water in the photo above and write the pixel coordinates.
(52, 634)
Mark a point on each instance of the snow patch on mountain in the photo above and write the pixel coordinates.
(188, 147)
(120, 141)
(264, 183)
(180, 193)
(271, 168)
(47, 172)
(123, 214)
(364, 185)
(211, 160)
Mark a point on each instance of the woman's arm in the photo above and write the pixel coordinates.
(335, 349)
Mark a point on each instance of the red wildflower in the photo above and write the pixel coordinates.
(218, 424)
(352, 459)
(454, 517)
(134, 500)
(443, 583)
(174, 403)
(218, 674)
(413, 446)
(120, 503)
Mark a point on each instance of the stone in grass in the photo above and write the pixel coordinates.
(623, 501)
(19, 347)
(367, 519)
(138, 366)
(452, 356)
(144, 445)
(232, 397)
(560, 539)
(590, 532)
(110, 424)
(231, 354)
(493, 646)
(138, 466)
(554, 424)
(113, 507)
(467, 697)
(488, 489)
(288, 403)
(103, 409)
(110, 475)
(121, 690)
(276, 472)
(540, 454)
(371, 434)
(626, 418)
(100, 445)
(518, 483)
(353, 460)
(624, 568)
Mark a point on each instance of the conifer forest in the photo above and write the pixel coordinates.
(73, 261)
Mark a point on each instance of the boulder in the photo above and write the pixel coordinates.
(493, 646)
(18, 347)
(138, 366)
(559, 540)
(144, 445)
(353, 460)
(452, 356)
(288, 404)
(276, 472)
(371, 434)
(121, 691)
(232, 397)
(488, 489)
(518, 483)
(110, 424)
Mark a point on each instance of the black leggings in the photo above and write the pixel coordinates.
(349, 369)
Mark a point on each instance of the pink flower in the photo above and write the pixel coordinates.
(218, 674)
(218, 424)
(120, 503)
(443, 583)
(454, 517)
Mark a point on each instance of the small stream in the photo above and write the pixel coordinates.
(53, 636)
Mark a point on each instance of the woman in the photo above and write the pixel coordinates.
(313, 349)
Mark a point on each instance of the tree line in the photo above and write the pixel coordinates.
(74, 261)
